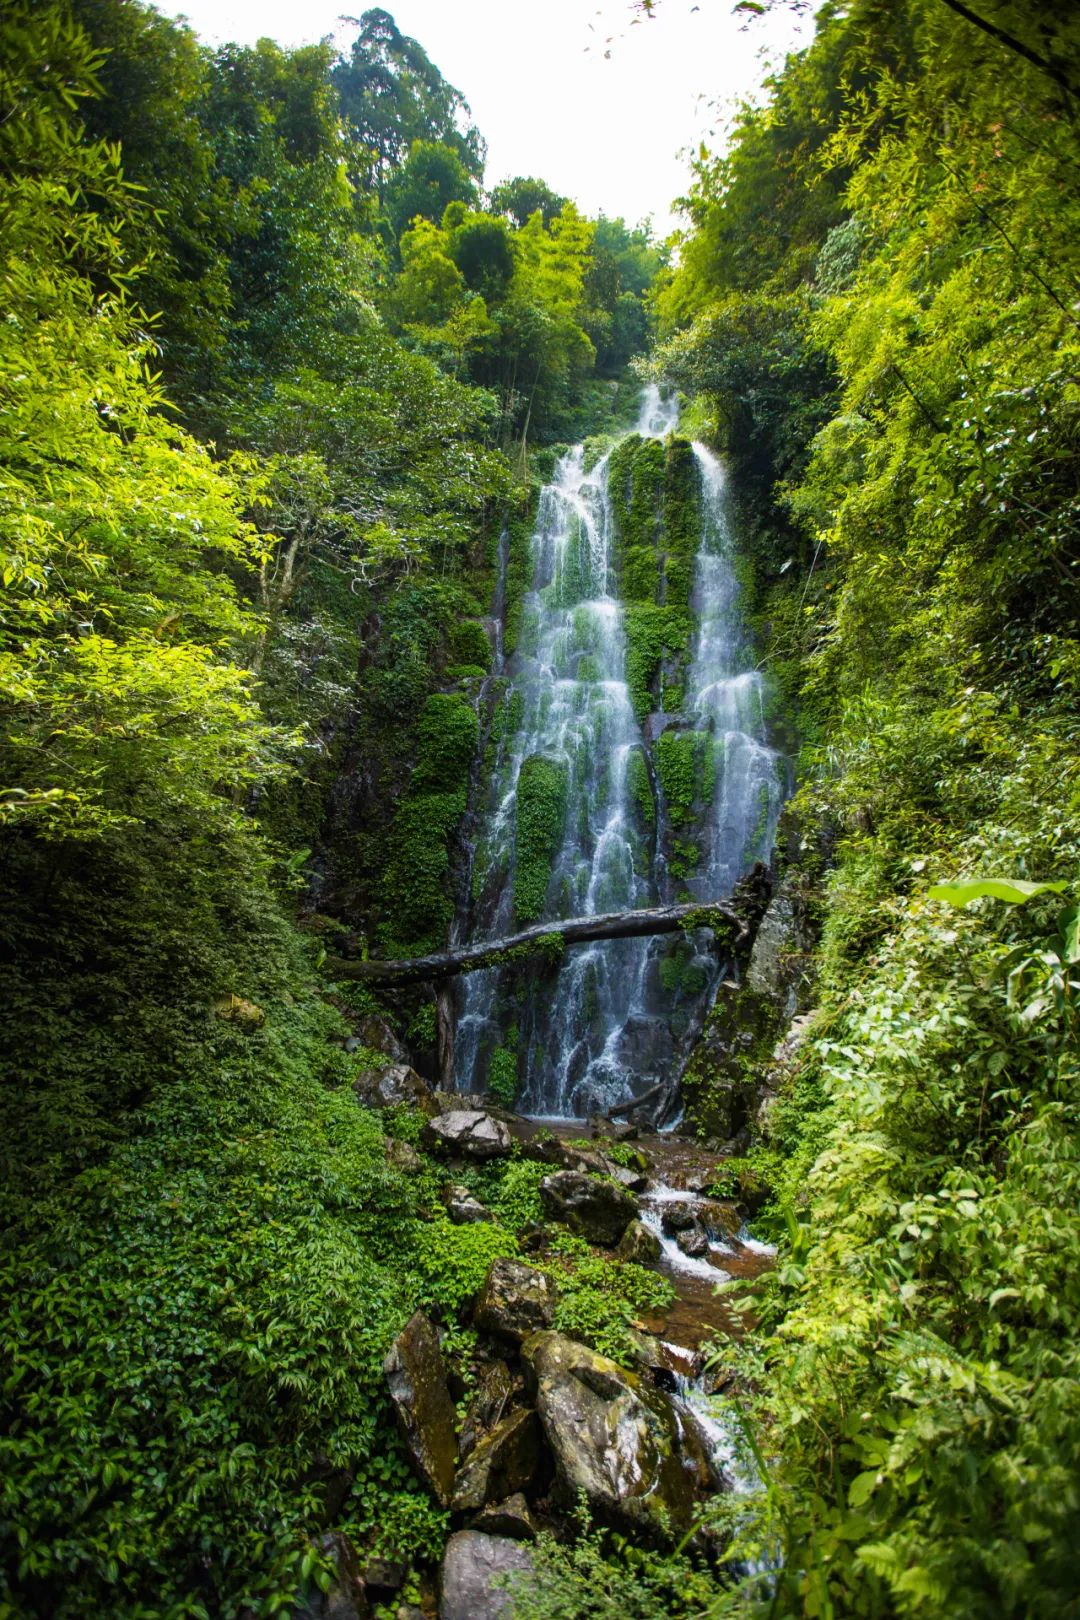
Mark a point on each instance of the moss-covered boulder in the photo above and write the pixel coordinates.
(416, 1378)
(613, 1439)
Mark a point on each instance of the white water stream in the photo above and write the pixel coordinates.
(569, 670)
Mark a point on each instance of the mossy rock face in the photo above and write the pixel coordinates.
(540, 818)
(470, 645)
(416, 1378)
(720, 1082)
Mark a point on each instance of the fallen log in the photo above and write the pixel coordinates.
(548, 939)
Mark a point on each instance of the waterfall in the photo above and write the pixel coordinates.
(591, 1034)
(725, 700)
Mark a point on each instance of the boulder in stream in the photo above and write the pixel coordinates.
(639, 1244)
(612, 1438)
(597, 1210)
(467, 1133)
(515, 1300)
(425, 1413)
(471, 1563)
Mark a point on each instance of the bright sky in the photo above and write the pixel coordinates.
(605, 130)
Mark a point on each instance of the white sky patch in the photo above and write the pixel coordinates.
(610, 131)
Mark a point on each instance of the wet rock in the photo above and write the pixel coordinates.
(463, 1209)
(470, 1565)
(693, 1243)
(783, 946)
(490, 1399)
(425, 1413)
(510, 1518)
(677, 1217)
(502, 1463)
(392, 1087)
(635, 1181)
(612, 1438)
(244, 1014)
(403, 1156)
(345, 1599)
(468, 1133)
(596, 1210)
(639, 1244)
(515, 1300)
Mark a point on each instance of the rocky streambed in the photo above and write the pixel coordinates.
(544, 1420)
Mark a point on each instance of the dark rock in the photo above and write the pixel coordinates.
(613, 1439)
(470, 1565)
(468, 1133)
(611, 1130)
(515, 1300)
(392, 1087)
(639, 1244)
(384, 1576)
(677, 1217)
(503, 1462)
(422, 1405)
(510, 1518)
(490, 1400)
(403, 1156)
(345, 1599)
(693, 1243)
(635, 1181)
(376, 1034)
(596, 1210)
(463, 1209)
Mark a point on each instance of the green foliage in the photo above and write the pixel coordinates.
(682, 768)
(600, 1576)
(452, 1261)
(653, 634)
(902, 373)
(503, 1074)
(446, 742)
(540, 815)
(600, 1300)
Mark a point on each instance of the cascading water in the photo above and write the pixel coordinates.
(725, 700)
(586, 1035)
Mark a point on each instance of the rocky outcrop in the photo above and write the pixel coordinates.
(471, 1563)
(612, 1439)
(639, 1244)
(515, 1300)
(403, 1156)
(392, 1087)
(463, 1209)
(596, 1210)
(502, 1463)
(425, 1413)
(376, 1034)
(467, 1133)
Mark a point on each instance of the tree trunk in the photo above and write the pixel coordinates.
(547, 939)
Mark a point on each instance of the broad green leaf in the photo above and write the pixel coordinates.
(1012, 890)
